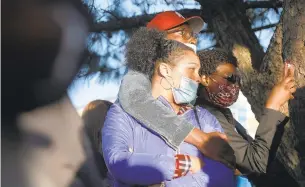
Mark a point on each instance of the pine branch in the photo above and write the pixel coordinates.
(134, 22)
(263, 4)
(264, 27)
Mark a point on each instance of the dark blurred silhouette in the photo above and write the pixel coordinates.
(94, 170)
(42, 46)
(94, 115)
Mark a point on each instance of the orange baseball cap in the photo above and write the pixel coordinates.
(170, 19)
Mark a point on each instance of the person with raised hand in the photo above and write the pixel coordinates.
(219, 89)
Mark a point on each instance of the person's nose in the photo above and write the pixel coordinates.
(197, 78)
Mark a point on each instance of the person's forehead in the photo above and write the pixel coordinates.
(226, 68)
(190, 57)
(183, 26)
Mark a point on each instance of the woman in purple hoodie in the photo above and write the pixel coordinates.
(136, 155)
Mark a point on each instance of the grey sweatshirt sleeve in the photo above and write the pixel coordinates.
(252, 156)
(136, 99)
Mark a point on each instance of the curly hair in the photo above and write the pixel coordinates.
(149, 46)
(211, 59)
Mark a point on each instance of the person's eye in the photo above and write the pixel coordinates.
(194, 35)
(229, 76)
(180, 33)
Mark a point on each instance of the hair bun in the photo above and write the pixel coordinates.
(146, 46)
(143, 49)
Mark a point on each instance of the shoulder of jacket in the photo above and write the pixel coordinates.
(116, 108)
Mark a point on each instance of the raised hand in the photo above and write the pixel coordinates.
(283, 91)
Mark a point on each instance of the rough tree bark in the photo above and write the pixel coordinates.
(272, 66)
(227, 19)
(294, 50)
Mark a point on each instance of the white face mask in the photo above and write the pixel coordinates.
(186, 93)
(192, 46)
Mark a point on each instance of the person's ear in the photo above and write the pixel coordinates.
(205, 80)
(165, 70)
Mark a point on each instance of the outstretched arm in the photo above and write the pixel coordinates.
(253, 156)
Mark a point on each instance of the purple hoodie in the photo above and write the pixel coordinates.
(135, 155)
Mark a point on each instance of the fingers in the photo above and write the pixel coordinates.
(223, 136)
(288, 70)
(219, 135)
(290, 85)
(291, 70)
(291, 97)
(288, 80)
(285, 73)
(237, 172)
(293, 89)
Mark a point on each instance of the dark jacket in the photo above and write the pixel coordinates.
(258, 155)
(252, 155)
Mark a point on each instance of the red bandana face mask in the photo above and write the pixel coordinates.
(223, 95)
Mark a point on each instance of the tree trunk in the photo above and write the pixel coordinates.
(294, 50)
(272, 66)
(228, 21)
